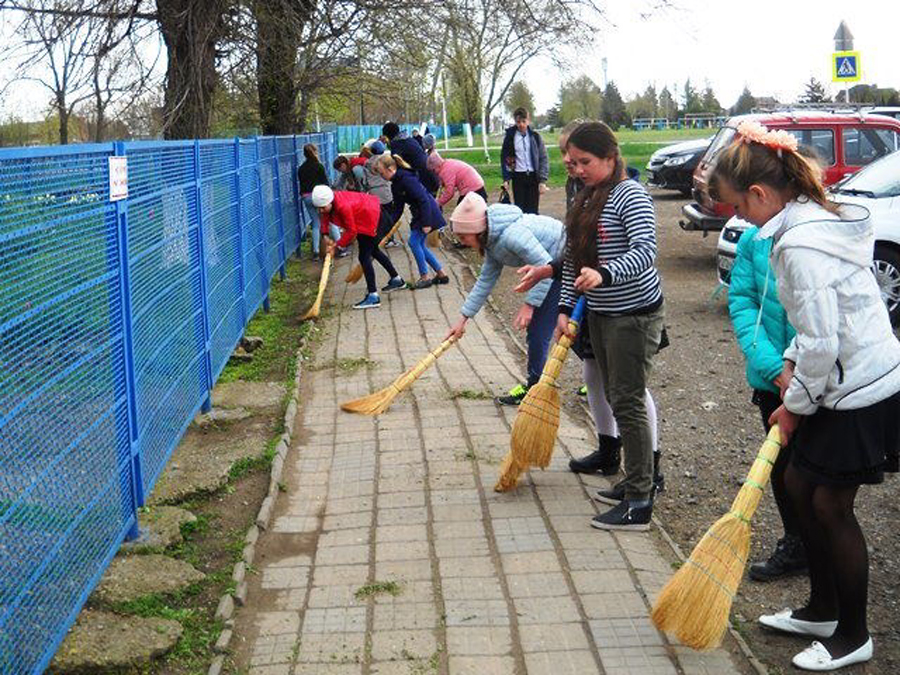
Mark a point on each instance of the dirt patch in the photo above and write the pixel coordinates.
(710, 434)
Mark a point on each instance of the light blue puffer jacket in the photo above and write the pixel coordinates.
(516, 239)
(764, 345)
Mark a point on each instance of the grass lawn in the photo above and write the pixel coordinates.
(636, 148)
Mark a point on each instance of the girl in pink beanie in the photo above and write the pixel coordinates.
(507, 237)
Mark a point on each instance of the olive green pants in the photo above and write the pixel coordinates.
(624, 347)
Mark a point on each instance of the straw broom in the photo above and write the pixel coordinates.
(695, 603)
(381, 400)
(313, 312)
(356, 272)
(537, 421)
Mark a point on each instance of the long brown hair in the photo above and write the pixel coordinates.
(744, 164)
(583, 218)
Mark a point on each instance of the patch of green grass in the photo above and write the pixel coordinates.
(471, 395)
(378, 588)
(347, 366)
(280, 328)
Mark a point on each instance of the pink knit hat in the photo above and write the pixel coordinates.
(470, 215)
(435, 161)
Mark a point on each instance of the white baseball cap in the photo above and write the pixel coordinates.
(322, 195)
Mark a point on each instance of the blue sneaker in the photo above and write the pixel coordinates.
(394, 284)
(369, 302)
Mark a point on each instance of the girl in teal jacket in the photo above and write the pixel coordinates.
(763, 333)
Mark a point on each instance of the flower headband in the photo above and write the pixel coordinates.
(754, 132)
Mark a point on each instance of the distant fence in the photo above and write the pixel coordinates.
(699, 121)
(351, 137)
(116, 318)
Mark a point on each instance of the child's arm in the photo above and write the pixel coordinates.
(744, 303)
(815, 348)
(490, 272)
(525, 246)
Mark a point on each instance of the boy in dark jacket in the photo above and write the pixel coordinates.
(413, 154)
(524, 160)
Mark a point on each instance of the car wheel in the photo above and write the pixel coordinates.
(886, 265)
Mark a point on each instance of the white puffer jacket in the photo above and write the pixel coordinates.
(845, 352)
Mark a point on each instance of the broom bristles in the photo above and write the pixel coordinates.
(537, 421)
(695, 603)
(313, 312)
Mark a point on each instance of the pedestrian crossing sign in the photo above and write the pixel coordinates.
(845, 67)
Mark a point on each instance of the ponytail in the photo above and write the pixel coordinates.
(392, 162)
(785, 169)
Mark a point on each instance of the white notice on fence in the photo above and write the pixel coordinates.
(118, 178)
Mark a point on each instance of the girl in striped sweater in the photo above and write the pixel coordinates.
(610, 258)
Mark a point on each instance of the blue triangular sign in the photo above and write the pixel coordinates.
(846, 67)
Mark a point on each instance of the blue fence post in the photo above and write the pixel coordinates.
(204, 292)
(239, 219)
(134, 458)
(296, 187)
(262, 219)
(278, 212)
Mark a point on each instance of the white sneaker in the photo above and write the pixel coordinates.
(784, 622)
(816, 657)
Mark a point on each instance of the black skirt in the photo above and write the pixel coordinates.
(849, 447)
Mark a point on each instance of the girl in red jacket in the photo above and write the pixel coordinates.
(357, 214)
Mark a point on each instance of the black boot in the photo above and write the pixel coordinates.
(788, 559)
(659, 481)
(605, 459)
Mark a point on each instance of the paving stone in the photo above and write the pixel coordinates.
(548, 637)
(524, 563)
(476, 612)
(335, 620)
(603, 581)
(561, 663)
(401, 533)
(537, 585)
(331, 648)
(471, 588)
(462, 547)
(342, 555)
(357, 536)
(403, 645)
(276, 578)
(478, 640)
(401, 550)
(403, 570)
(458, 529)
(645, 660)
(277, 623)
(629, 604)
(481, 665)
(705, 663)
(559, 609)
(467, 567)
(327, 669)
(403, 616)
(273, 650)
(415, 515)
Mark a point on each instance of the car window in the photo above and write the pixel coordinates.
(863, 145)
(721, 140)
(880, 179)
(818, 141)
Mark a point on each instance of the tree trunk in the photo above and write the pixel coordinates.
(99, 120)
(277, 41)
(302, 113)
(191, 30)
(63, 112)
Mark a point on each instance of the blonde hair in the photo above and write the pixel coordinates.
(567, 130)
(392, 162)
(743, 164)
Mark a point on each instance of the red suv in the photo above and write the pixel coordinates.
(843, 143)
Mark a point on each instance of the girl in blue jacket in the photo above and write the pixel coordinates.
(426, 215)
(507, 237)
(763, 333)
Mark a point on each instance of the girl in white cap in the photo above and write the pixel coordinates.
(507, 237)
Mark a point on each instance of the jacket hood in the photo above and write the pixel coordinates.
(847, 235)
(500, 216)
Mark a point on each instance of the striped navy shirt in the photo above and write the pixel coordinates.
(626, 250)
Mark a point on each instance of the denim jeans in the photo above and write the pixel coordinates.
(424, 257)
(540, 332)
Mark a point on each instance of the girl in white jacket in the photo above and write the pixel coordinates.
(841, 391)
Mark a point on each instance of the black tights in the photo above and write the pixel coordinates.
(368, 250)
(838, 559)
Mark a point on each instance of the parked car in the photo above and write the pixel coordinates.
(876, 187)
(887, 110)
(842, 142)
(672, 167)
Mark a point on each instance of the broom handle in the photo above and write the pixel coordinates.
(326, 267)
(744, 505)
(413, 374)
(390, 233)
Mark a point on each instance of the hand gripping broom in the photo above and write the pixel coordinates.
(355, 273)
(537, 421)
(313, 312)
(381, 400)
(695, 603)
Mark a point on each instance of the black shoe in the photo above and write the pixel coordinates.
(616, 493)
(514, 397)
(788, 559)
(605, 459)
(624, 516)
(441, 279)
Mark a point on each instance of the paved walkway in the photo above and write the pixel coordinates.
(486, 583)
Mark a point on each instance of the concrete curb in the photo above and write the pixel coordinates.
(227, 603)
(754, 662)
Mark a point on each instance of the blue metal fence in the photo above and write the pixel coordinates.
(116, 318)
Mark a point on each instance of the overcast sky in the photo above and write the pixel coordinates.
(773, 47)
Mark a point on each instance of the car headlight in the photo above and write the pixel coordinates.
(677, 160)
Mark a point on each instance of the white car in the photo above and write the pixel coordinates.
(877, 187)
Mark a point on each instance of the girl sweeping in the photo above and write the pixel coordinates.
(310, 174)
(358, 214)
(763, 333)
(611, 233)
(426, 216)
(841, 379)
(456, 177)
(507, 237)
(607, 457)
